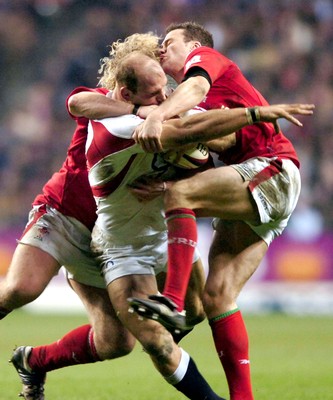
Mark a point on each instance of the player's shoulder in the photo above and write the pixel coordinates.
(122, 126)
(81, 89)
(205, 57)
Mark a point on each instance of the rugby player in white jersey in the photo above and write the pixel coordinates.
(130, 235)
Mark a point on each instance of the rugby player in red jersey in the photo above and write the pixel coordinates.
(58, 233)
(251, 197)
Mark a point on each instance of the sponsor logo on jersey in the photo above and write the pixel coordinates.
(244, 361)
(193, 60)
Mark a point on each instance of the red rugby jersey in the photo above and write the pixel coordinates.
(68, 190)
(231, 89)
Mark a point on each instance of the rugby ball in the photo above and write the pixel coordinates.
(192, 158)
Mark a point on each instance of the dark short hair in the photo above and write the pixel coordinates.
(193, 31)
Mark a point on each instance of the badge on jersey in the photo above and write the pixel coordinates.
(193, 60)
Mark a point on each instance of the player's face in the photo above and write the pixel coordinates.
(173, 53)
(152, 87)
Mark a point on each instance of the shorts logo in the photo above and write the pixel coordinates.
(41, 233)
(263, 202)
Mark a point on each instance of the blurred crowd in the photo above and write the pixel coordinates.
(48, 47)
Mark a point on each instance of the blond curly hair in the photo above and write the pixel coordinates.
(145, 43)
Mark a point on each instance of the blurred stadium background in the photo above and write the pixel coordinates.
(285, 48)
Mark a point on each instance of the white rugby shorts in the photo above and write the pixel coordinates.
(146, 257)
(275, 185)
(65, 239)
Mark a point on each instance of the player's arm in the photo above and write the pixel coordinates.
(213, 124)
(96, 105)
(187, 95)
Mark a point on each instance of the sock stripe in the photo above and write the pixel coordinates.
(171, 217)
(224, 315)
(180, 213)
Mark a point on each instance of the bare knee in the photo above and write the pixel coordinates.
(113, 350)
(216, 302)
(119, 344)
(176, 195)
(28, 275)
(17, 293)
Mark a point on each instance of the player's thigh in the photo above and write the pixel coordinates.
(31, 269)
(235, 254)
(97, 303)
(109, 332)
(219, 192)
(133, 286)
(138, 285)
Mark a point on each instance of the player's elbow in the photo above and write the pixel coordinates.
(74, 105)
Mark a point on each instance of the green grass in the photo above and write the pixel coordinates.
(291, 359)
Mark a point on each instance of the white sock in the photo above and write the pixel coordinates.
(178, 375)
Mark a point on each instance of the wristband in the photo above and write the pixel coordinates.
(248, 116)
(136, 109)
(253, 115)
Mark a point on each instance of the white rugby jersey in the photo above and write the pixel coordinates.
(114, 161)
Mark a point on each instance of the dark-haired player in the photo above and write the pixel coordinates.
(252, 196)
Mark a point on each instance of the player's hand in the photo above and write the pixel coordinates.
(286, 111)
(147, 189)
(144, 111)
(148, 135)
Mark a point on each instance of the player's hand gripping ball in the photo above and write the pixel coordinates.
(192, 158)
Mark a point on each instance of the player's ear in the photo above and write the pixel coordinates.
(196, 44)
(126, 94)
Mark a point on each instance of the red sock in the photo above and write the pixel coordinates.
(182, 240)
(76, 347)
(232, 346)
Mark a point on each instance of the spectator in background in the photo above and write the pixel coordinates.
(296, 39)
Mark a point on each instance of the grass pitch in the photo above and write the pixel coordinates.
(291, 359)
